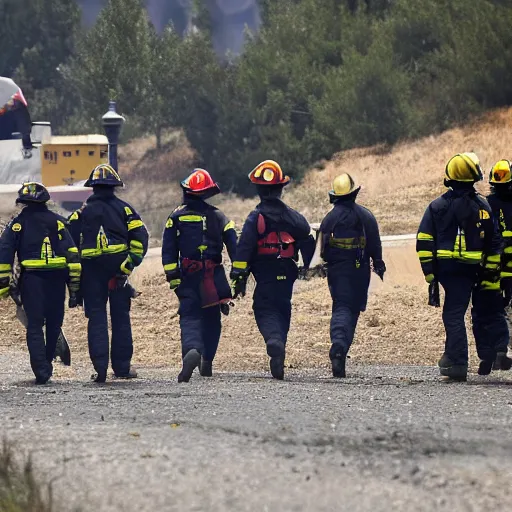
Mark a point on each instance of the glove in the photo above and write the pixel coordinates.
(173, 278)
(239, 287)
(304, 274)
(127, 266)
(434, 298)
(489, 279)
(239, 281)
(75, 300)
(379, 267)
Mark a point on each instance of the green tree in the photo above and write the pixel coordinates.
(114, 61)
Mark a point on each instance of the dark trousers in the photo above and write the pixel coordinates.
(488, 316)
(348, 286)
(200, 327)
(43, 294)
(272, 299)
(96, 274)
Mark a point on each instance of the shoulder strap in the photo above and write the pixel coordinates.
(261, 224)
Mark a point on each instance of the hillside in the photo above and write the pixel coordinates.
(398, 182)
(398, 326)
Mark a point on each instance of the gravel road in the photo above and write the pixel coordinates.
(387, 438)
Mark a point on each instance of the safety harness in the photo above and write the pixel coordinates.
(275, 243)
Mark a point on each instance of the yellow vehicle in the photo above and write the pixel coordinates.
(69, 159)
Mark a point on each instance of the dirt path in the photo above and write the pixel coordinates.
(387, 438)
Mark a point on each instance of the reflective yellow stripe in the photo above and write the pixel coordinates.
(429, 278)
(202, 248)
(348, 243)
(494, 258)
(60, 226)
(508, 250)
(50, 263)
(169, 223)
(488, 285)
(425, 254)
(191, 218)
(5, 267)
(111, 249)
(74, 216)
(506, 234)
(136, 248)
(170, 266)
(75, 269)
(242, 265)
(2, 275)
(91, 253)
(425, 236)
(229, 225)
(134, 224)
(506, 274)
(73, 250)
(4, 292)
(467, 256)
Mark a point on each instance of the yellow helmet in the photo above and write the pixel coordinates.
(501, 173)
(464, 167)
(343, 186)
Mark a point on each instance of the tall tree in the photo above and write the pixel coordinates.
(114, 61)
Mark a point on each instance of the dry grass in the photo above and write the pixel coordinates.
(20, 489)
(398, 182)
(398, 327)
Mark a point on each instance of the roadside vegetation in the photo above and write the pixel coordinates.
(21, 490)
(321, 76)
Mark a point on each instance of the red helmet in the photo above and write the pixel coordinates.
(268, 173)
(200, 183)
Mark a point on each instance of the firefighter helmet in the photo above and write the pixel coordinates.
(32, 192)
(464, 167)
(105, 175)
(200, 184)
(344, 186)
(268, 173)
(501, 173)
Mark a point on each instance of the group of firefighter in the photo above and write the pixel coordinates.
(464, 244)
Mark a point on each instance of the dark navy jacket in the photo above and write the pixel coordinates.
(278, 218)
(196, 231)
(350, 233)
(108, 225)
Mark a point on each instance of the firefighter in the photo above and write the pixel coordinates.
(48, 259)
(194, 236)
(500, 201)
(113, 241)
(459, 247)
(349, 238)
(268, 248)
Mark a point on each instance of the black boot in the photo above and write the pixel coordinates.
(206, 368)
(457, 372)
(485, 367)
(100, 377)
(191, 361)
(41, 381)
(338, 358)
(502, 362)
(276, 351)
(132, 374)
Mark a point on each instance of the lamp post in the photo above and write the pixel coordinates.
(112, 124)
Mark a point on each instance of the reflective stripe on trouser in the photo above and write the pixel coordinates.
(96, 274)
(272, 300)
(200, 327)
(348, 286)
(489, 325)
(43, 294)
